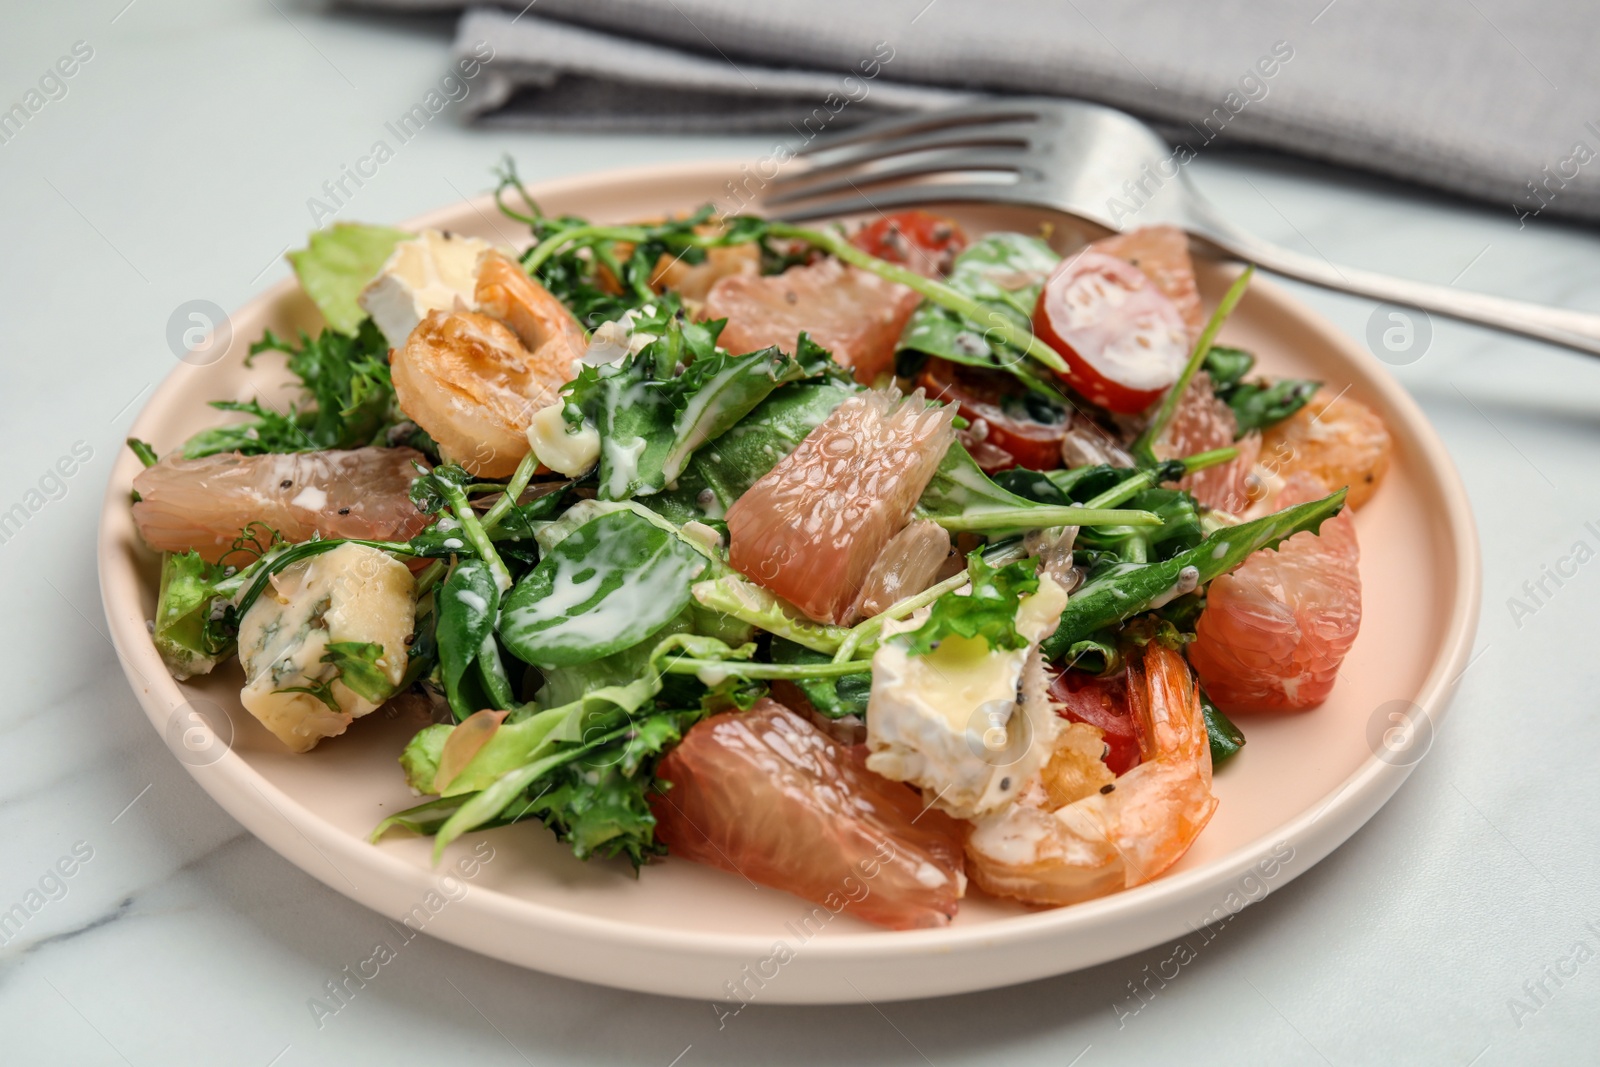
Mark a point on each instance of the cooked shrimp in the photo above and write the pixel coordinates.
(541, 322)
(1077, 834)
(468, 381)
(203, 504)
(1339, 440)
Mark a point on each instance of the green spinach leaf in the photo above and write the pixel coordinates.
(610, 584)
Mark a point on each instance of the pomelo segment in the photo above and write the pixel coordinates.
(812, 527)
(1201, 423)
(852, 313)
(1274, 632)
(203, 504)
(1335, 438)
(765, 795)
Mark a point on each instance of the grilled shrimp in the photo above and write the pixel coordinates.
(541, 322)
(1076, 833)
(474, 380)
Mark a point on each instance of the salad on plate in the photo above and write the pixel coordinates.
(878, 563)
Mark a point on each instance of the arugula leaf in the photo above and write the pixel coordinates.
(468, 608)
(610, 584)
(1096, 654)
(1004, 273)
(721, 473)
(347, 378)
(338, 263)
(1256, 405)
(835, 697)
(652, 418)
(1227, 365)
(961, 498)
(988, 610)
(142, 449)
(1118, 591)
(1226, 739)
(359, 669)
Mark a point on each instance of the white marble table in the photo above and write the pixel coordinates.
(178, 165)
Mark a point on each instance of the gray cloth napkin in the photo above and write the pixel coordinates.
(1492, 99)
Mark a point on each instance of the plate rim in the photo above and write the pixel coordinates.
(1320, 828)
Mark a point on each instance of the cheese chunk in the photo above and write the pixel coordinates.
(350, 593)
(433, 271)
(968, 725)
(565, 449)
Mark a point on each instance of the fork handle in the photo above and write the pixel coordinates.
(1572, 329)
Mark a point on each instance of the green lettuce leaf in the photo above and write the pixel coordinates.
(420, 760)
(183, 608)
(338, 263)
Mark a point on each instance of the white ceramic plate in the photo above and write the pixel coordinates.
(1303, 785)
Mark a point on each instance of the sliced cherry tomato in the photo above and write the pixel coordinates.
(1101, 702)
(1123, 340)
(1016, 429)
(924, 242)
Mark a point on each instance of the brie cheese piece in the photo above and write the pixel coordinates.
(433, 271)
(967, 725)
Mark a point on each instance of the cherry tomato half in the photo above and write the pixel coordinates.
(1021, 430)
(1124, 342)
(922, 241)
(1101, 702)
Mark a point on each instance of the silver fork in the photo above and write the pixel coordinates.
(1106, 167)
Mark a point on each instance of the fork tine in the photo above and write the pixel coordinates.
(909, 196)
(922, 122)
(1012, 159)
(1004, 135)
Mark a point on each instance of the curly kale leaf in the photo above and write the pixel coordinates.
(345, 377)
